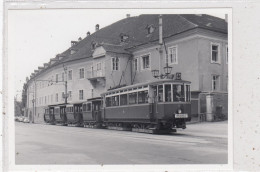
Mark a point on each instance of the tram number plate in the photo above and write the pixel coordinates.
(181, 115)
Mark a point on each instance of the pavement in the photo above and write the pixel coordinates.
(200, 143)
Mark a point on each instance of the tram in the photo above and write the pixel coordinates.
(49, 115)
(92, 114)
(162, 105)
(74, 114)
(60, 114)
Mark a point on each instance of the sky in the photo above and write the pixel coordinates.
(36, 36)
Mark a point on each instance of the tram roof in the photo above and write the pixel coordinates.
(161, 81)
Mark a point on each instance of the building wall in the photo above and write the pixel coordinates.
(187, 54)
(122, 75)
(207, 69)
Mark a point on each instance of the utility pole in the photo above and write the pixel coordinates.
(160, 42)
(66, 84)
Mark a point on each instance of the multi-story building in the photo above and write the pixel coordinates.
(126, 52)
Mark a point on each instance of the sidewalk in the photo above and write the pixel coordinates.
(207, 129)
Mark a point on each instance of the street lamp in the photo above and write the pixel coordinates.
(167, 71)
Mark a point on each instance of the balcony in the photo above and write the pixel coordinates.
(95, 74)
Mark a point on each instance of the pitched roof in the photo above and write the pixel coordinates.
(136, 29)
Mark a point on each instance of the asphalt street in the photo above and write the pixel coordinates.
(201, 143)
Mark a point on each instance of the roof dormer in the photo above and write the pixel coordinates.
(99, 52)
(124, 37)
(150, 29)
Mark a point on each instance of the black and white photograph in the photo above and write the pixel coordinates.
(111, 87)
(154, 86)
(123, 89)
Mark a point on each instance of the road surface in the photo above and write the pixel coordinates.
(202, 143)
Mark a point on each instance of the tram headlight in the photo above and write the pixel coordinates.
(179, 111)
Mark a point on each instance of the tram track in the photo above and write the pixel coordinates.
(169, 139)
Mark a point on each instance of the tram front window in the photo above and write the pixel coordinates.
(178, 93)
(187, 93)
(160, 93)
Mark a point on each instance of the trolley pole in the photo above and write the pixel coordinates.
(66, 94)
(66, 84)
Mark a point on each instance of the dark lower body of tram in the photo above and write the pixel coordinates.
(75, 119)
(149, 118)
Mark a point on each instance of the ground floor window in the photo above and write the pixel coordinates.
(215, 82)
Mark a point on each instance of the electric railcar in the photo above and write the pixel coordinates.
(162, 105)
(74, 114)
(49, 115)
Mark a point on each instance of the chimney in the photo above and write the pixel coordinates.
(160, 30)
(79, 39)
(97, 27)
(127, 15)
(88, 33)
(226, 18)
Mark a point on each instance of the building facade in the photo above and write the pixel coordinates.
(126, 52)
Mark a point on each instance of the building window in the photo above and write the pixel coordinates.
(81, 73)
(215, 82)
(57, 97)
(81, 95)
(62, 76)
(63, 95)
(70, 75)
(115, 63)
(98, 66)
(215, 53)
(57, 78)
(70, 95)
(172, 56)
(93, 45)
(135, 64)
(92, 93)
(226, 54)
(146, 62)
(45, 100)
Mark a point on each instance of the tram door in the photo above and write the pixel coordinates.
(96, 110)
(153, 102)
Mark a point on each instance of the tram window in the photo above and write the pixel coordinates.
(178, 93)
(133, 98)
(88, 107)
(143, 97)
(187, 93)
(115, 100)
(160, 93)
(123, 99)
(84, 107)
(168, 92)
(108, 101)
(80, 108)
